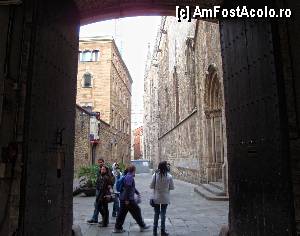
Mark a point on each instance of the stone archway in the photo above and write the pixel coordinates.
(213, 112)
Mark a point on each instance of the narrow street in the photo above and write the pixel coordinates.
(188, 213)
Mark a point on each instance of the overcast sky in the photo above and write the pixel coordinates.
(132, 35)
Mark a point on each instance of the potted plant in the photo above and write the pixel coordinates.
(88, 178)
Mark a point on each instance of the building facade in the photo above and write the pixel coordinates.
(86, 137)
(184, 110)
(138, 143)
(104, 85)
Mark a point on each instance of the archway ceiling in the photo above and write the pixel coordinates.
(96, 10)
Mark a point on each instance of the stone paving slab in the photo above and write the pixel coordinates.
(188, 214)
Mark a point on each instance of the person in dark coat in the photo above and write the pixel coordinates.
(94, 219)
(104, 184)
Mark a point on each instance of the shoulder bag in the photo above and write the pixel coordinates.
(152, 203)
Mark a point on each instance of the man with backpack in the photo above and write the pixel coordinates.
(117, 175)
(128, 202)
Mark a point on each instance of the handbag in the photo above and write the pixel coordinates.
(108, 198)
(152, 203)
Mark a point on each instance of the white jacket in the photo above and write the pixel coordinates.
(161, 188)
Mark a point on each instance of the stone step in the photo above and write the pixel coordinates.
(208, 195)
(214, 190)
(218, 185)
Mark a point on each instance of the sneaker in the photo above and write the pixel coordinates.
(119, 231)
(92, 222)
(146, 227)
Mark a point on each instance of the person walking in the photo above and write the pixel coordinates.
(94, 219)
(104, 185)
(128, 203)
(162, 183)
(117, 174)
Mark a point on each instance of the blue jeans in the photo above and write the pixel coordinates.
(116, 205)
(160, 209)
(96, 210)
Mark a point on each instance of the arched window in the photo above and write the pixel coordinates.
(96, 55)
(87, 55)
(87, 80)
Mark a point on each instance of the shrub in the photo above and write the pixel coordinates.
(88, 174)
(122, 167)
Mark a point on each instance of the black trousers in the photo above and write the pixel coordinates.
(103, 209)
(134, 210)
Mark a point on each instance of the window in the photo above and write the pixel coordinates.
(87, 56)
(95, 55)
(79, 56)
(87, 80)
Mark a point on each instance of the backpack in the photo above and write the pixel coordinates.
(120, 183)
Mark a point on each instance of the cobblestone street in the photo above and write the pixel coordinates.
(188, 213)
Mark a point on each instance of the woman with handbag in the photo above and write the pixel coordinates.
(104, 185)
(162, 183)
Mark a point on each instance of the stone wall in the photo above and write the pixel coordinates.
(82, 146)
(104, 148)
(151, 112)
(183, 77)
(207, 56)
(120, 108)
